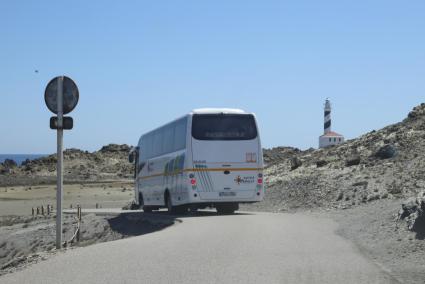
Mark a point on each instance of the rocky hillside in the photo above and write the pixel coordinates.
(389, 163)
(109, 163)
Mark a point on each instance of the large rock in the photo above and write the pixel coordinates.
(9, 164)
(7, 167)
(413, 212)
(295, 163)
(279, 154)
(409, 205)
(321, 163)
(115, 148)
(353, 160)
(3, 170)
(417, 111)
(386, 152)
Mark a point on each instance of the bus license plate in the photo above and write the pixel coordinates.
(227, 193)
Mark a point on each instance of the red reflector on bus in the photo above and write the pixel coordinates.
(260, 181)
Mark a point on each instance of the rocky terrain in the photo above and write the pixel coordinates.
(413, 212)
(373, 186)
(109, 163)
(389, 163)
(25, 240)
(376, 230)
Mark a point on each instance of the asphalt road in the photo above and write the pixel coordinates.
(242, 248)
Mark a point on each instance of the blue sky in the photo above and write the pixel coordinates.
(139, 64)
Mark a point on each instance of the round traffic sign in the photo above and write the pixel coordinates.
(70, 95)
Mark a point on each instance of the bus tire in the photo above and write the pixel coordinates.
(147, 209)
(226, 209)
(141, 202)
(182, 209)
(142, 205)
(193, 209)
(169, 203)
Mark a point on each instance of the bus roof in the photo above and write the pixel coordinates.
(218, 110)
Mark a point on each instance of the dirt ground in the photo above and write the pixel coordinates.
(19, 200)
(27, 240)
(374, 229)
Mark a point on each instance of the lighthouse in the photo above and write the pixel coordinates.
(329, 137)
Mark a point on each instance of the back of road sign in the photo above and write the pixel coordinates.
(70, 95)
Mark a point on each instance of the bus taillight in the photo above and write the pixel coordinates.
(193, 183)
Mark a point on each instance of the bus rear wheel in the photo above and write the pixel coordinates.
(169, 203)
(142, 205)
(181, 209)
(147, 209)
(226, 209)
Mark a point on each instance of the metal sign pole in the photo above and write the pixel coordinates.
(61, 97)
(59, 165)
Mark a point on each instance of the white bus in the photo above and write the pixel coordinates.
(207, 158)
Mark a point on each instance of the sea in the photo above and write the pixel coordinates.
(19, 158)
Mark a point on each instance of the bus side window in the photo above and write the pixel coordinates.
(166, 169)
(157, 143)
(176, 164)
(168, 142)
(181, 162)
(180, 134)
(147, 147)
(170, 167)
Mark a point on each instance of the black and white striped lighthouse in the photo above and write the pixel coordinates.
(329, 137)
(328, 121)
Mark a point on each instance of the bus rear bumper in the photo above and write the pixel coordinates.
(227, 197)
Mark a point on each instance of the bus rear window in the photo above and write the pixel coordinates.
(224, 127)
